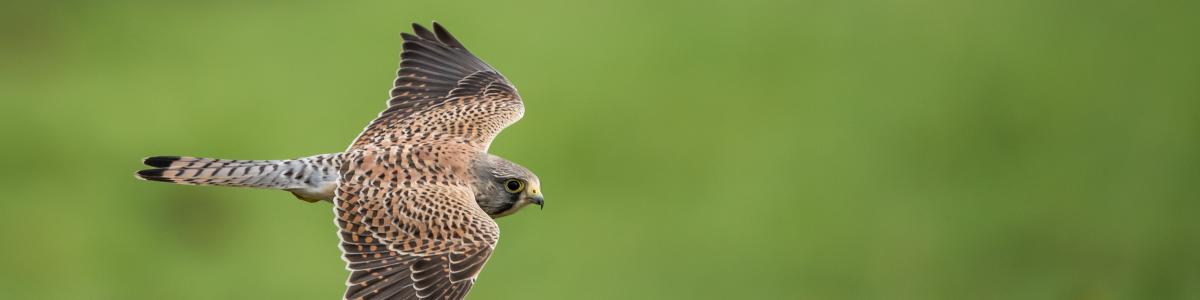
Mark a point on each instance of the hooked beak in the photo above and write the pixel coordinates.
(537, 199)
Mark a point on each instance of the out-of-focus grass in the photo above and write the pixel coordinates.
(689, 150)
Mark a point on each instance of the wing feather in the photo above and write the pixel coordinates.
(444, 91)
(427, 240)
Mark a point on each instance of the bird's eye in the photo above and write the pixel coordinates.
(514, 185)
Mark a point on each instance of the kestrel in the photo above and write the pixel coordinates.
(416, 193)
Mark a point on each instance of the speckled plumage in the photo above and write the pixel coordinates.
(415, 194)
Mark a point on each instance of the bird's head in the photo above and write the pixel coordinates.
(503, 187)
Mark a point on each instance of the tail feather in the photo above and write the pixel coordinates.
(161, 161)
(310, 178)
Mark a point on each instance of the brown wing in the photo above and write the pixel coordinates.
(443, 94)
(409, 225)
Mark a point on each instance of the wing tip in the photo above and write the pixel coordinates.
(408, 37)
(439, 35)
(445, 37)
(423, 32)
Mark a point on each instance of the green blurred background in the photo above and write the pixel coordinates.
(926, 149)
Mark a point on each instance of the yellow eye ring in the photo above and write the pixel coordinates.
(514, 186)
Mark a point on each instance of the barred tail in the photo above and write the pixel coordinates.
(311, 178)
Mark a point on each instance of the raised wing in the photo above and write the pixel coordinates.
(409, 226)
(443, 93)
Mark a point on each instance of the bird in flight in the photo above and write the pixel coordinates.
(415, 195)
